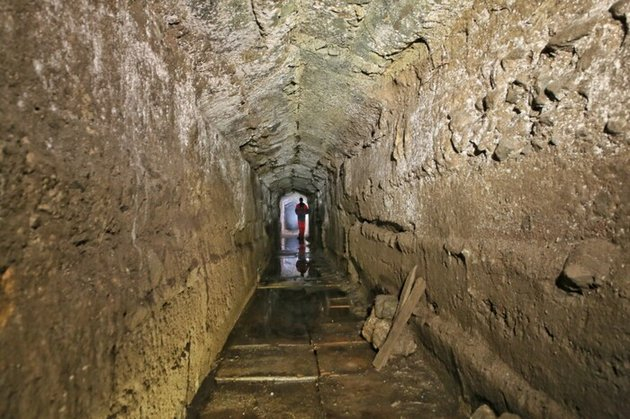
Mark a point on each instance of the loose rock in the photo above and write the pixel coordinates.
(587, 266)
(385, 306)
(507, 148)
(484, 412)
(172, 20)
(375, 329)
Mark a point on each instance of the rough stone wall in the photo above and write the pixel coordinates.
(501, 166)
(131, 232)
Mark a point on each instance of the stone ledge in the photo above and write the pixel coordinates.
(482, 374)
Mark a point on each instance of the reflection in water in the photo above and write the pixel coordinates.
(282, 315)
(302, 263)
(295, 257)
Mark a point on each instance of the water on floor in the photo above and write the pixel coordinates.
(296, 352)
(294, 262)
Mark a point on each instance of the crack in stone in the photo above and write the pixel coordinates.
(261, 29)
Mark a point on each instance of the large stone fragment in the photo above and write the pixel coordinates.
(587, 265)
(616, 127)
(484, 412)
(385, 306)
(508, 147)
(375, 331)
(492, 99)
(555, 90)
(620, 9)
(566, 38)
(459, 125)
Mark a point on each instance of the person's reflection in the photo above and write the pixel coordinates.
(302, 263)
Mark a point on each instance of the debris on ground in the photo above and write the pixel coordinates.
(378, 324)
(485, 412)
(386, 327)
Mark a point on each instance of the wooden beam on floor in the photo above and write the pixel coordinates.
(403, 313)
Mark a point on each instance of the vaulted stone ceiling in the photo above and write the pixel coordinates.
(294, 82)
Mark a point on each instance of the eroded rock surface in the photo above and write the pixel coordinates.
(132, 231)
(144, 147)
(496, 159)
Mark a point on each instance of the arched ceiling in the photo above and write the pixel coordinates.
(293, 82)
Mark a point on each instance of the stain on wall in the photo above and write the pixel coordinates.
(132, 233)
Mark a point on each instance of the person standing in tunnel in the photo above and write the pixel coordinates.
(301, 209)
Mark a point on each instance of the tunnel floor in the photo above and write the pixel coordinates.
(296, 352)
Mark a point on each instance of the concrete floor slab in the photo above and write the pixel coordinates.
(267, 363)
(264, 400)
(295, 335)
(273, 316)
(345, 359)
(342, 315)
(260, 330)
(328, 332)
(376, 395)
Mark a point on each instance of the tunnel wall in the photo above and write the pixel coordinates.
(500, 166)
(132, 233)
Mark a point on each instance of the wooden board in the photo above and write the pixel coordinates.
(399, 322)
(407, 286)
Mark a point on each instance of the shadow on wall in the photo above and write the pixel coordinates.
(288, 218)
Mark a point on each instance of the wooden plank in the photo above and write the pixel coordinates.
(407, 286)
(399, 323)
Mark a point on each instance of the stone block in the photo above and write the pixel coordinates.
(587, 265)
(375, 331)
(385, 306)
(508, 147)
(484, 412)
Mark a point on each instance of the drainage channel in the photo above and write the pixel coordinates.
(296, 351)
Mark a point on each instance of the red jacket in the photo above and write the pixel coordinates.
(301, 210)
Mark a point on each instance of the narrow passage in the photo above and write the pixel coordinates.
(296, 352)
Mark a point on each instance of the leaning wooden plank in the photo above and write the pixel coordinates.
(407, 287)
(399, 323)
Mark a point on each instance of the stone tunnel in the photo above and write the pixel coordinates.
(146, 147)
